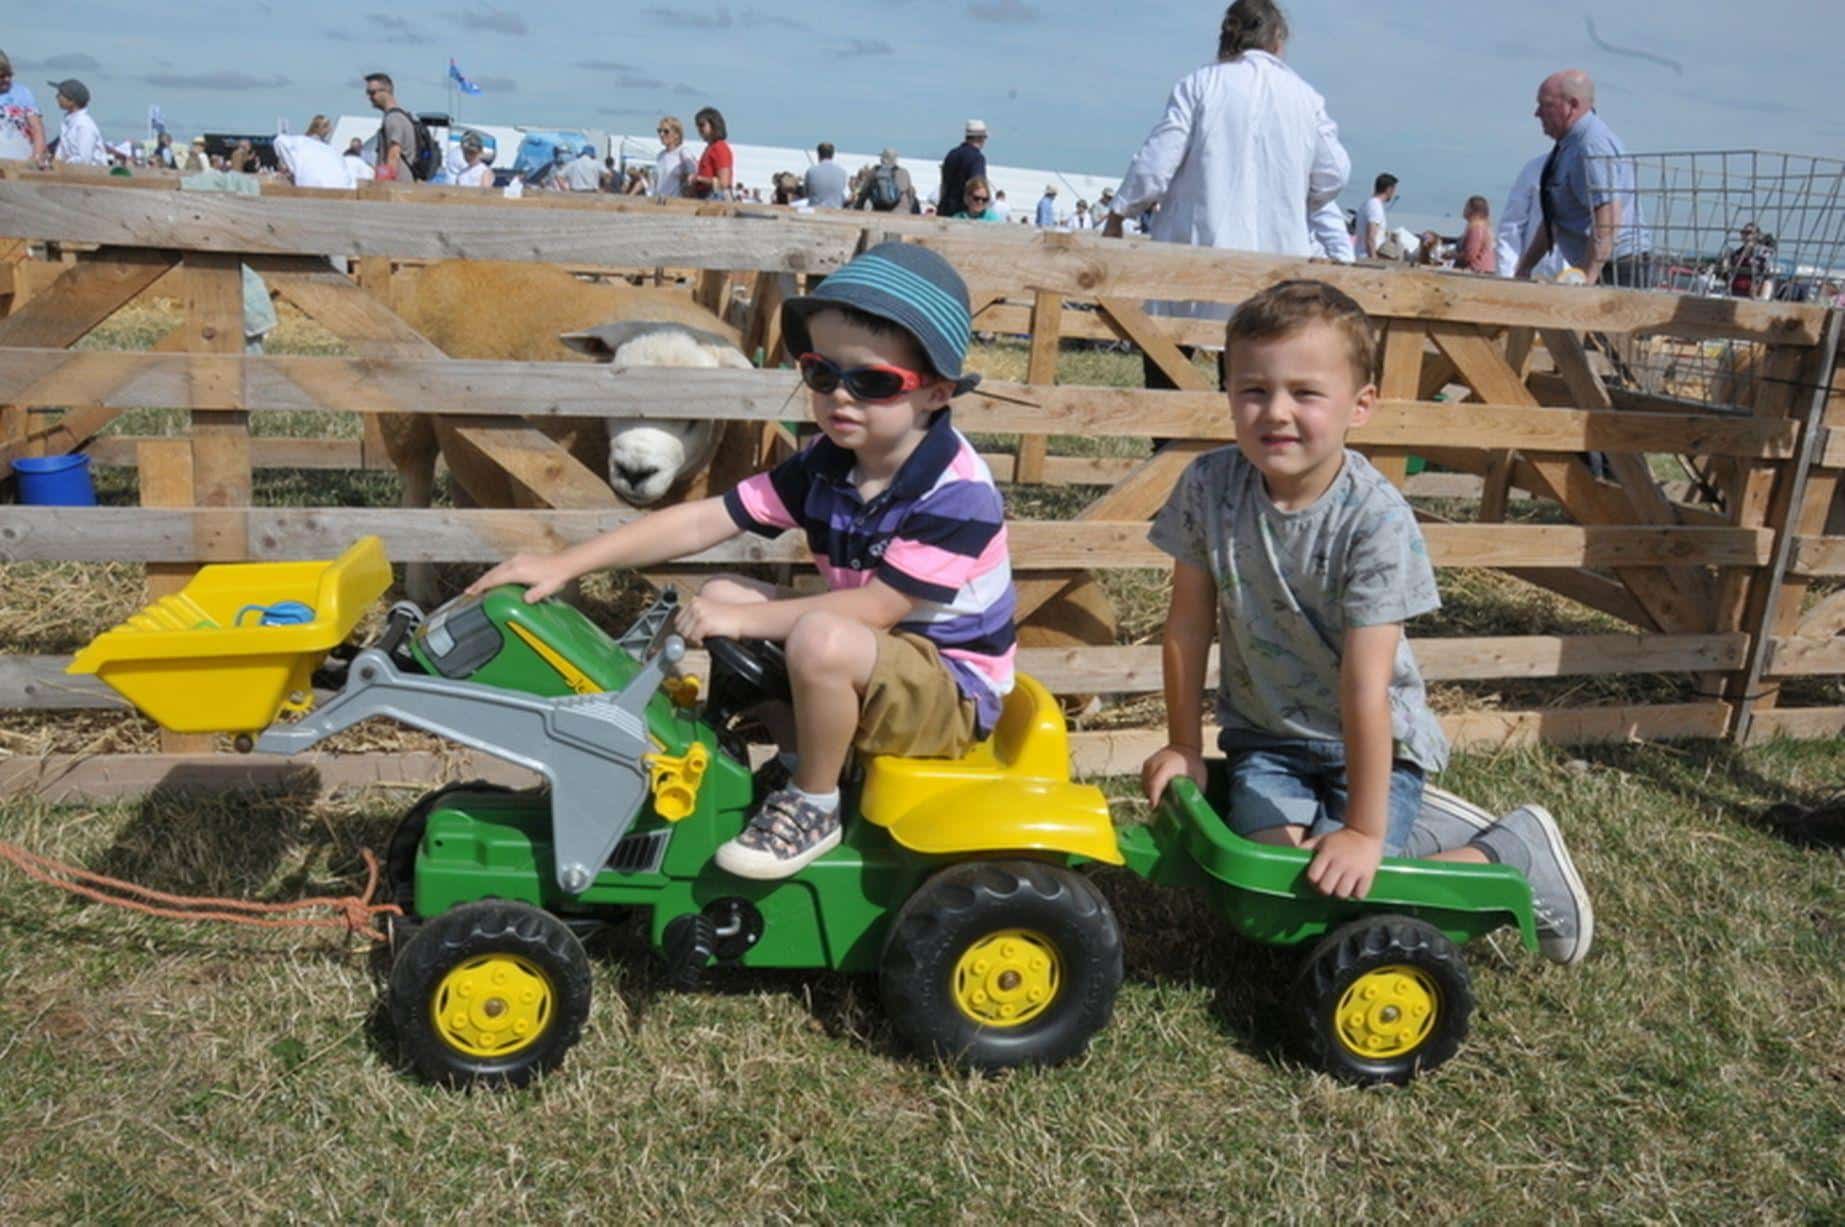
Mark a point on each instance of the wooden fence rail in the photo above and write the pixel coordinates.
(1731, 591)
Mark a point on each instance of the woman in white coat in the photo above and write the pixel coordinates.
(1243, 156)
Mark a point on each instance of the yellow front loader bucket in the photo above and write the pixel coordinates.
(191, 665)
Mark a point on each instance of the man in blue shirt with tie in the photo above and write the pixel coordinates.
(1592, 213)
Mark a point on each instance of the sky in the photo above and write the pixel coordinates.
(1439, 95)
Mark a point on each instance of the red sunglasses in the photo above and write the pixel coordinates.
(866, 383)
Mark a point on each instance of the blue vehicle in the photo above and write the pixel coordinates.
(537, 157)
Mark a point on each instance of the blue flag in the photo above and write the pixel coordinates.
(466, 86)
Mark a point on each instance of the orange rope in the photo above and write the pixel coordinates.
(354, 912)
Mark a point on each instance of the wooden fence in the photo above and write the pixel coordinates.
(1715, 590)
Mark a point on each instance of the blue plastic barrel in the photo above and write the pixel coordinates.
(55, 481)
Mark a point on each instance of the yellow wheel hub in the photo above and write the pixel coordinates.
(1388, 1012)
(492, 1005)
(1008, 979)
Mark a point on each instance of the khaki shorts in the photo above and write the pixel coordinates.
(912, 707)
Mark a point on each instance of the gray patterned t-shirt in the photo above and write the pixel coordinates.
(1289, 583)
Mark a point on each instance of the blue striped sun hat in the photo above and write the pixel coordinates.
(911, 287)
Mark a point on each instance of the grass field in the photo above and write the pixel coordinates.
(1692, 1070)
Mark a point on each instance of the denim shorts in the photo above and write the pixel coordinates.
(1278, 782)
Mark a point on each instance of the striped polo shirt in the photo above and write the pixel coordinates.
(936, 533)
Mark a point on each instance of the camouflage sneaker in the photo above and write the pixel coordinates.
(783, 837)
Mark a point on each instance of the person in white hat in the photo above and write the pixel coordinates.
(965, 161)
(1047, 208)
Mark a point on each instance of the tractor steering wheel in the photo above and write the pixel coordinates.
(758, 667)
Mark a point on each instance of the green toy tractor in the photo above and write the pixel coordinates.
(960, 883)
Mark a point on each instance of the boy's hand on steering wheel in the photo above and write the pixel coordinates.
(543, 574)
(702, 618)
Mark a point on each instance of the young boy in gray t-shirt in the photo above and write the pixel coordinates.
(1305, 562)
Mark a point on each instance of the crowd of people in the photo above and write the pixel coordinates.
(1245, 156)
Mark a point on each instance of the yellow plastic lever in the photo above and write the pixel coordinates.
(675, 778)
(683, 691)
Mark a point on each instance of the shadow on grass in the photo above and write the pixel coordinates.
(189, 836)
(1719, 770)
(1171, 937)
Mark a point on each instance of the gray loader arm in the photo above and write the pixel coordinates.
(590, 747)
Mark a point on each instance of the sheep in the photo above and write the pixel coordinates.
(649, 458)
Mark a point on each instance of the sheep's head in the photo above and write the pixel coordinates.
(648, 457)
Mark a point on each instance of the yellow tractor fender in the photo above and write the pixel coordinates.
(1003, 815)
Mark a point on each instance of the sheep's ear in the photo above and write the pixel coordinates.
(587, 343)
(604, 341)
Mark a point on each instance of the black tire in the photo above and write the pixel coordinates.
(1407, 1018)
(461, 950)
(1059, 919)
(407, 837)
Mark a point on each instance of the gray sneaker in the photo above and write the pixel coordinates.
(784, 836)
(1529, 840)
(1445, 822)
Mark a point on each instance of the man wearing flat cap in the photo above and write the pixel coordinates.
(80, 143)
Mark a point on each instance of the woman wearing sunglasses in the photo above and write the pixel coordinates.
(977, 202)
(672, 175)
(910, 650)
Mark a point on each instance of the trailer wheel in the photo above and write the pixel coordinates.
(489, 994)
(995, 964)
(1383, 999)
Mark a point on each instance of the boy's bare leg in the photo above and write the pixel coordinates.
(830, 660)
(740, 590)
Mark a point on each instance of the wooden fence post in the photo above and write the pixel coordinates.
(1797, 506)
(375, 279)
(1040, 371)
(165, 469)
(1401, 379)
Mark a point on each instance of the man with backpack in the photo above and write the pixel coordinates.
(402, 129)
(888, 188)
